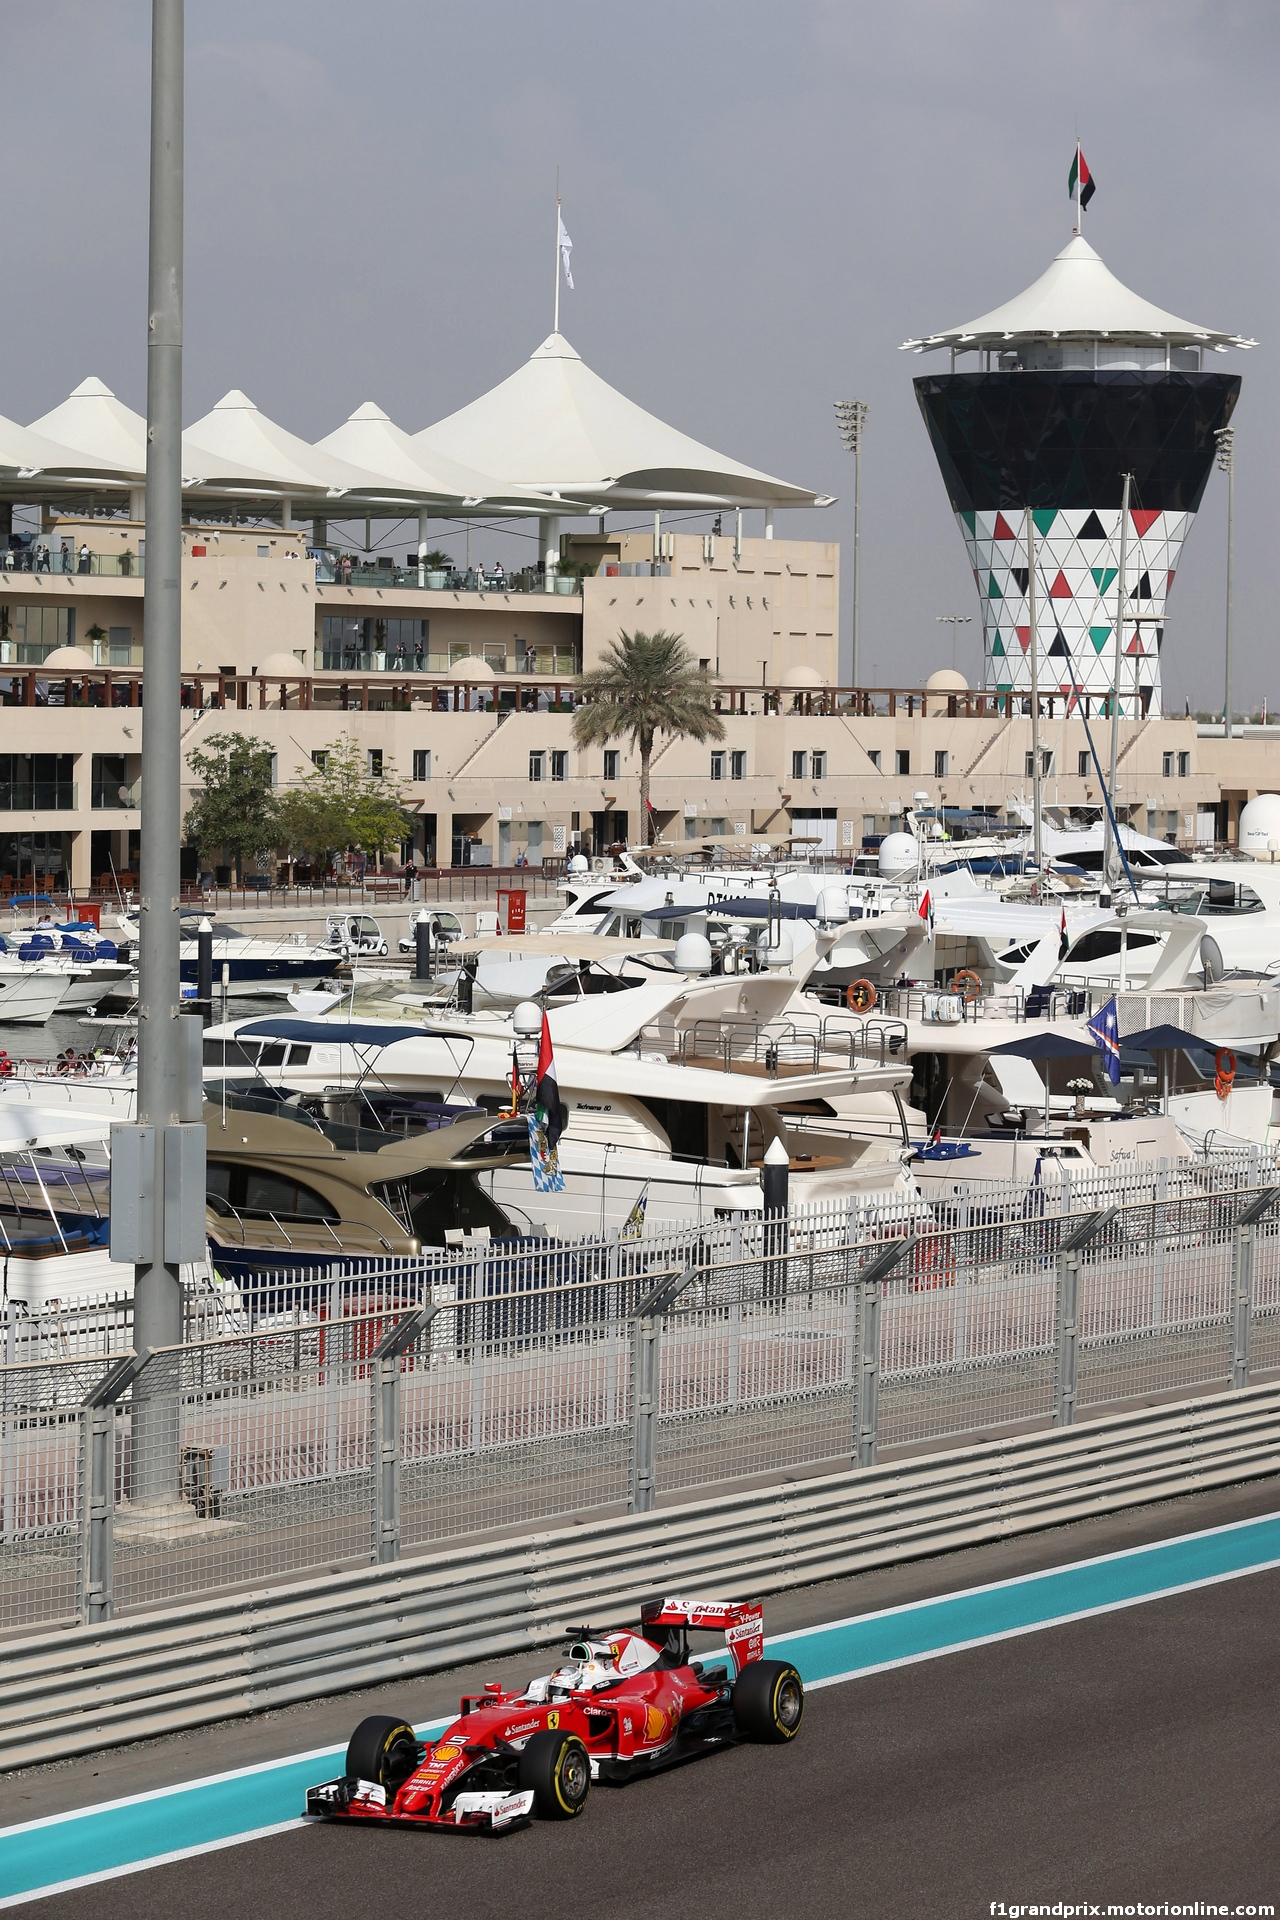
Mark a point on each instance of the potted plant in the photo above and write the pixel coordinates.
(438, 567)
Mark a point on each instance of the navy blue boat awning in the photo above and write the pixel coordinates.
(329, 1033)
(757, 907)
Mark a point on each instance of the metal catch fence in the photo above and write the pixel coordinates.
(378, 1407)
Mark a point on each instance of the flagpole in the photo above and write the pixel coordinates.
(1079, 229)
(556, 326)
(1037, 835)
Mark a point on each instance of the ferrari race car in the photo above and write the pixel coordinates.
(625, 1703)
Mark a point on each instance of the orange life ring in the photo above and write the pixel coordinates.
(860, 996)
(967, 984)
(1224, 1064)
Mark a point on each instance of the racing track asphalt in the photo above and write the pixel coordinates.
(1126, 1757)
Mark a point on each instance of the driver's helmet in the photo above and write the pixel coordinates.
(591, 1664)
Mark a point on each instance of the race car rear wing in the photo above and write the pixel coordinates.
(741, 1620)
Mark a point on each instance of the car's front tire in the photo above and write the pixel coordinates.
(384, 1751)
(768, 1701)
(556, 1769)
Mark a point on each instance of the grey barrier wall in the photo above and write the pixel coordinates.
(388, 1408)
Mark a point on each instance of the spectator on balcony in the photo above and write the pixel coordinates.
(8, 558)
(42, 558)
(83, 566)
(66, 556)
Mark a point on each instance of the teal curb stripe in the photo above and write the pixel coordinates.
(94, 1842)
(928, 1627)
(99, 1840)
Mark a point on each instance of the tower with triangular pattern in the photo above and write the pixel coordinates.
(1078, 380)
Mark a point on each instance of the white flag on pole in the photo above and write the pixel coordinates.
(566, 248)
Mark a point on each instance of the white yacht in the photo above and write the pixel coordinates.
(253, 965)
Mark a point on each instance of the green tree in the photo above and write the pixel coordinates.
(646, 684)
(235, 808)
(343, 803)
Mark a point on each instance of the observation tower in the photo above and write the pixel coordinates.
(1069, 386)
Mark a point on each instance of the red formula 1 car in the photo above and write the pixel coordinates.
(625, 1703)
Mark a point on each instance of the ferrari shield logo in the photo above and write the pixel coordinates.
(553, 1719)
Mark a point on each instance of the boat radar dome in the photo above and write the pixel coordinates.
(898, 854)
(833, 906)
(1260, 825)
(692, 954)
(527, 1019)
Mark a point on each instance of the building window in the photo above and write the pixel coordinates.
(39, 782)
(537, 766)
(799, 763)
(374, 757)
(28, 634)
(717, 766)
(110, 781)
(1166, 765)
(1082, 764)
(819, 766)
(738, 765)
(903, 760)
(1046, 765)
(874, 758)
(612, 762)
(560, 764)
(939, 764)
(348, 640)
(1184, 766)
(319, 758)
(422, 763)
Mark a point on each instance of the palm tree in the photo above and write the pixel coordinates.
(645, 683)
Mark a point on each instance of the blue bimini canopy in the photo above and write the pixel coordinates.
(331, 1033)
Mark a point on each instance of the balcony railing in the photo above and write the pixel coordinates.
(331, 570)
(38, 796)
(113, 566)
(331, 657)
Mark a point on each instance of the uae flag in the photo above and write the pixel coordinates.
(1064, 942)
(546, 1098)
(925, 913)
(1080, 171)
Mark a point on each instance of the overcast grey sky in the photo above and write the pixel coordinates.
(765, 199)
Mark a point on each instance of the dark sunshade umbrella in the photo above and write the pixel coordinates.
(1162, 1041)
(1047, 1046)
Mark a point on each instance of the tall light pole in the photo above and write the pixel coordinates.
(954, 620)
(851, 422)
(1226, 439)
(158, 1165)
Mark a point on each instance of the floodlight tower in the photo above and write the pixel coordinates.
(1066, 388)
(851, 424)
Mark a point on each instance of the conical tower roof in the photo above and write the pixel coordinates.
(1077, 297)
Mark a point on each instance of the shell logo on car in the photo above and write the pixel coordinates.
(655, 1723)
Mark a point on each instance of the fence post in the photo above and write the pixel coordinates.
(869, 1282)
(1244, 1239)
(868, 1372)
(97, 1493)
(646, 1360)
(1067, 1329)
(1066, 1339)
(386, 1430)
(646, 1335)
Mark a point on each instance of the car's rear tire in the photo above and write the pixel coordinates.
(384, 1751)
(768, 1701)
(556, 1769)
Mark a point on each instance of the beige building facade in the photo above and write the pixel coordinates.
(462, 688)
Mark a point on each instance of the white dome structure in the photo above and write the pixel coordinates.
(946, 680)
(1260, 826)
(802, 676)
(71, 660)
(472, 669)
(286, 665)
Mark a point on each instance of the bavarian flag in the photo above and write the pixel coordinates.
(1080, 171)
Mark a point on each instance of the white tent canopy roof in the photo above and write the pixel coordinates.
(371, 439)
(1077, 297)
(234, 442)
(25, 452)
(99, 431)
(556, 425)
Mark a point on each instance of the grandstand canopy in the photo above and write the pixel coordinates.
(557, 426)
